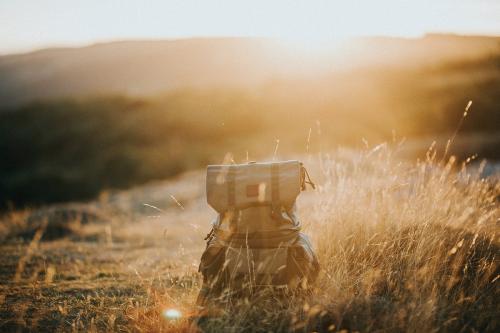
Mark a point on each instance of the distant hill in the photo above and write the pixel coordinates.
(149, 67)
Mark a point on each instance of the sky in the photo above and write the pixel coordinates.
(31, 24)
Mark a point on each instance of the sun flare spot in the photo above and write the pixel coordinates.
(172, 314)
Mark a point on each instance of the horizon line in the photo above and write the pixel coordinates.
(81, 45)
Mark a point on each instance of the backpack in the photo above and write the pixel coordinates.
(255, 241)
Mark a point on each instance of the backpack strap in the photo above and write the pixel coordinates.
(231, 212)
(267, 239)
(231, 187)
(275, 189)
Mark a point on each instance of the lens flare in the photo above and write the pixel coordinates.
(172, 314)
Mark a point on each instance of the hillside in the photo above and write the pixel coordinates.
(72, 149)
(149, 67)
(235, 101)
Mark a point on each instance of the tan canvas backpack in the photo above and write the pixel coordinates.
(255, 240)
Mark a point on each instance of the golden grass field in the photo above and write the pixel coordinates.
(404, 246)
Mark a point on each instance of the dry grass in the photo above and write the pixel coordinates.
(407, 247)
(403, 247)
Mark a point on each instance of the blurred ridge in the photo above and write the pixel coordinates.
(152, 66)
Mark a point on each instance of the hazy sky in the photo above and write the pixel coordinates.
(30, 24)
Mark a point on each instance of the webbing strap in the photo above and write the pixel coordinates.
(275, 184)
(257, 239)
(231, 196)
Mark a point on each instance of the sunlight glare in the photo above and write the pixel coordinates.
(172, 314)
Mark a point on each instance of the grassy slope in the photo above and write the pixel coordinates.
(403, 247)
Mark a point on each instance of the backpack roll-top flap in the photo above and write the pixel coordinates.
(239, 186)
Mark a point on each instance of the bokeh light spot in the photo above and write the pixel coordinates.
(172, 314)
